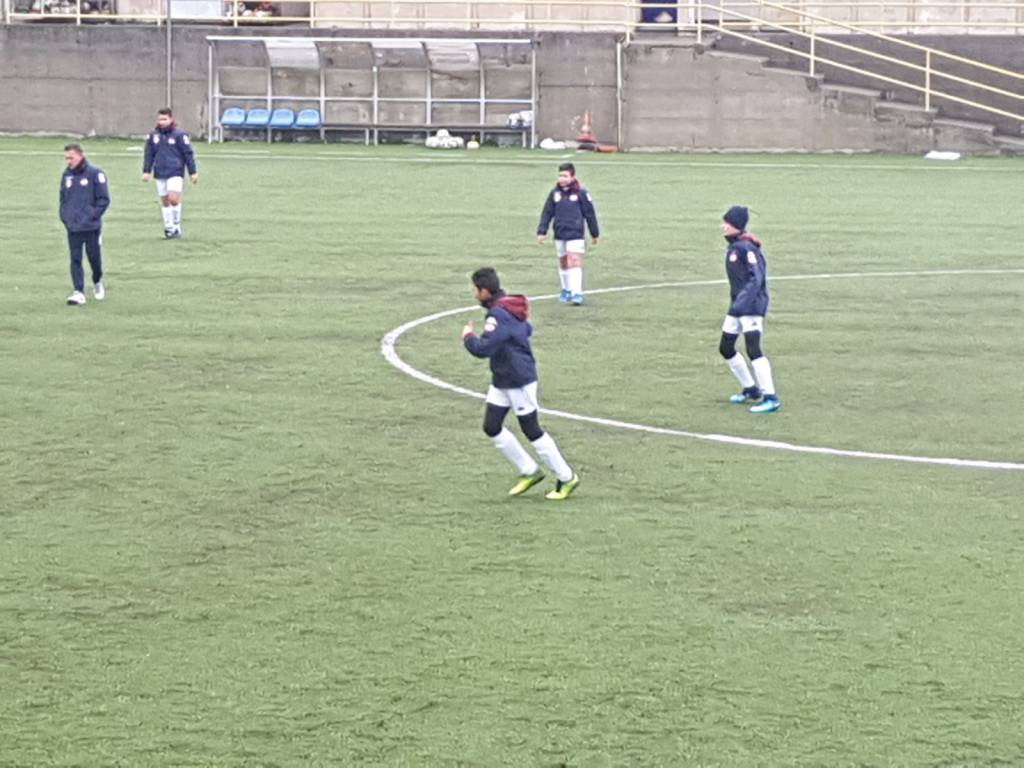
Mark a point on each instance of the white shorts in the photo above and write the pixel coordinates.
(522, 400)
(173, 184)
(744, 324)
(563, 247)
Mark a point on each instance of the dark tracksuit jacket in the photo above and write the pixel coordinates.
(570, 208)
(169, 153)
(748, 276)
(506, 342)
(84, 198)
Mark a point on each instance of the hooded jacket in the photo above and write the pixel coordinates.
(748, 276)
(169, 153)
(571, 208)
(506, 341)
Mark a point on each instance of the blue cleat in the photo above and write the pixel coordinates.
(577, 299)
(770, 404)
(748, 395)
(564, 296)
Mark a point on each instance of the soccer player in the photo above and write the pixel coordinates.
(748, 288)
(506, 341)
(571, 207)
(84, 198)
(168, 155)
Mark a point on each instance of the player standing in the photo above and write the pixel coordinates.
(748, 290)
(506, 341)
(168, 155)
(572, 208)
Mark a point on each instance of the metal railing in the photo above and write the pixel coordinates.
(932, 65)
(995, 16)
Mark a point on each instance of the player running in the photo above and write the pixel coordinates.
(506, 341)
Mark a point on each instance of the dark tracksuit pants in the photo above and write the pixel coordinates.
(91, 242)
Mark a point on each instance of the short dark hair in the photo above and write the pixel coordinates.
(568, 167)
(487, 277)
(165, 111)
(74, 148)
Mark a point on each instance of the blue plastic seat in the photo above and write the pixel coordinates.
(233, 117)
(257, 118)
(308, 118)
(282, 118)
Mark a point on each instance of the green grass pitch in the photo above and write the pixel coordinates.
(232, 535)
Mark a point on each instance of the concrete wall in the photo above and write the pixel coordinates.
(109, 80)
(685, 97)
(576, 74)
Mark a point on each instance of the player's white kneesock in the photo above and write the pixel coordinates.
(510, 448)
(563, 276)
(576, 279)
(739, 369)
(547, 450)
(763, 371)
(168, 216)
(176, 213)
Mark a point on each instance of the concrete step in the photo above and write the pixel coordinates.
(849, 99)
(1010, 145)
(910, 115)
(964, 136)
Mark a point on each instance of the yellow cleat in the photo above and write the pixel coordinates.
(526, 482)
(563, 490)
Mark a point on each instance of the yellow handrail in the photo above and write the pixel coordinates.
(814, 56)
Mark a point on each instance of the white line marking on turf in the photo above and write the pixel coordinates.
(668, 161)
(389, 342)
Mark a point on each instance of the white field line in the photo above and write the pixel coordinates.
(389, 342)
(540, 159)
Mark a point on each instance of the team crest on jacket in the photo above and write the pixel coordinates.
(490, 324)
(732, 255)
(156, 138)
(171, 140)
(574, 198)
(84, 182)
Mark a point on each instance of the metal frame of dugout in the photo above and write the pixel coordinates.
(443, 56)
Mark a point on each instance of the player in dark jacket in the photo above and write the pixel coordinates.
(571, 208)
(506, 342)
(84, 198)
(748, 293)
(168, 155)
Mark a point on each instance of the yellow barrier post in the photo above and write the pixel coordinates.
(812, 52)
(927, 79)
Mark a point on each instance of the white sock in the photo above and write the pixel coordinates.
(511, 449)
(563, 275)
(575, 277)
(168, 216)
(739, 369)
(763, 371)
(176, 213)
(548, 451)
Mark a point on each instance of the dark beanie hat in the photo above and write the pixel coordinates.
(738, 216)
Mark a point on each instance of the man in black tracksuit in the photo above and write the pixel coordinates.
(84, 198)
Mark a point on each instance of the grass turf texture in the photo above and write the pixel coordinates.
(233, 535)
